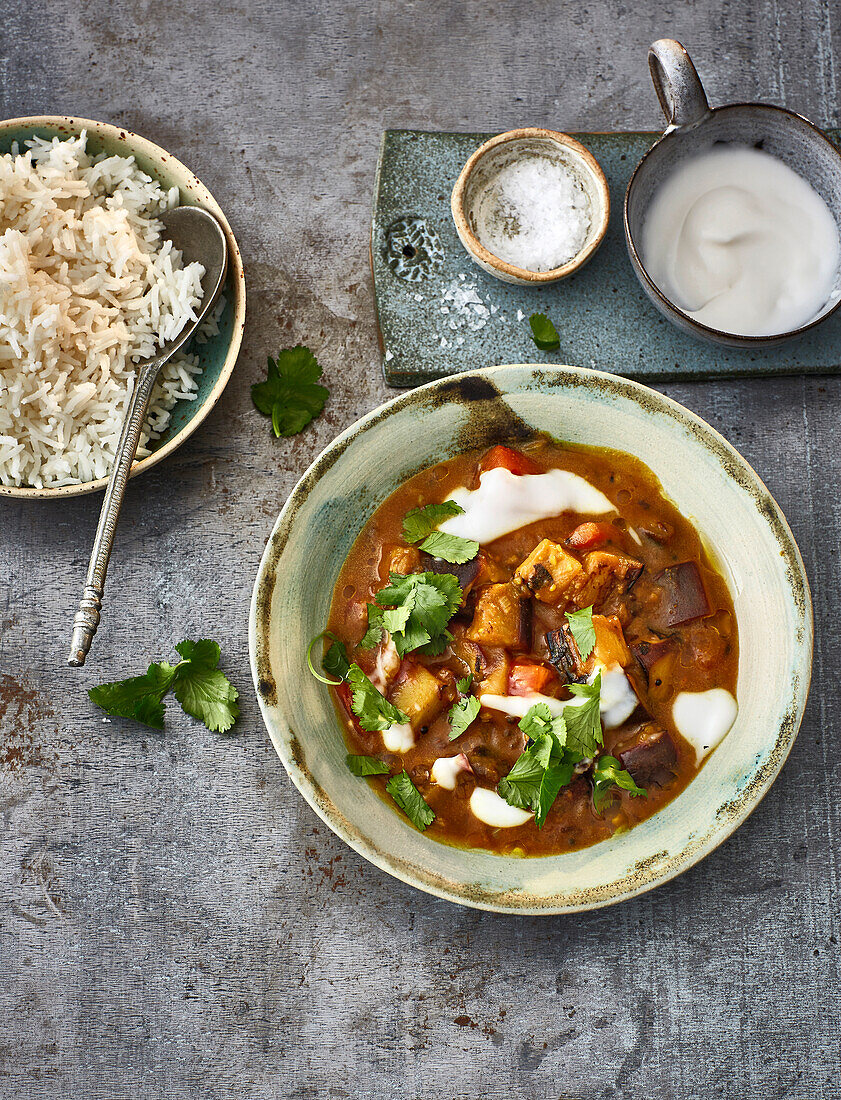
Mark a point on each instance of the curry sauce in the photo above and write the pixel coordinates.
(662, 619)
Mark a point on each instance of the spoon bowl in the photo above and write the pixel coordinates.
(199, 237)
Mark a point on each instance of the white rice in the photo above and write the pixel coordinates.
(88, 289)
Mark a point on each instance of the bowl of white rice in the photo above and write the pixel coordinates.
(89, 288)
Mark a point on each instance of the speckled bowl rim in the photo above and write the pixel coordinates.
(737, 339)
(475, 246)
(652, 872)
(236, 277)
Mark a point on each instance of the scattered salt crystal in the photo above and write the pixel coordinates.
(534, 214)
(520, 315)
(389, 355)
(418, 297)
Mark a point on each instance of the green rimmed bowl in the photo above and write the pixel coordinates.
(219, 354)
(708, 480)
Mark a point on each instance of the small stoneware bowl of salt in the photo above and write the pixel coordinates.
(531, 206)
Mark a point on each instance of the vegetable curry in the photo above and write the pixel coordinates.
(530, 648)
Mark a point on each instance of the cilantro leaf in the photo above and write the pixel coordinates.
(374, 634)
(139, 697)
(554, 778)
(463, 714)
(437, 646)
(366, 765)
(334, 662)
(583, 631)
(464, 684)
(543, 768)
(583, 721)
(290, 395)
(395, 619)
(608, 773)
(371, 707)
(409, 799)
(538, 720)
(521, 787)
(544, 333)
(450, 547)
(421, 522)
(201, 688)
(421, 605)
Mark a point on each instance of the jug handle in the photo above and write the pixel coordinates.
(677, 84)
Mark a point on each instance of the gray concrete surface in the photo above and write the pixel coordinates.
(174, 921)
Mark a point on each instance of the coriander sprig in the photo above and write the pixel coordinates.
(202, 689)
(290, 394)
(421, 525)
(607, 774)
(583, 631)
(544, 333)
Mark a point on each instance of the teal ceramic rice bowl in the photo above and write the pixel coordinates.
(709, 482)
(218, 355)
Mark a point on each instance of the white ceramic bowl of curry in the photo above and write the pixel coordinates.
(742, 529)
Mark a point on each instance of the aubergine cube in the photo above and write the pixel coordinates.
(649, 755)
(686, 598)
(563, 654)
(649, 653)
(466, 573)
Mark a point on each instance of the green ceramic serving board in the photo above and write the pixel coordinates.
(458, 318)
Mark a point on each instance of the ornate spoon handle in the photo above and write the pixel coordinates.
(87, 617)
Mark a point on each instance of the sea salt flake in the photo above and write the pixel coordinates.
(533, 214)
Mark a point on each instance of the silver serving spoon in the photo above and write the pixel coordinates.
(199, 236)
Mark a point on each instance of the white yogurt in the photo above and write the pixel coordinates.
(447, 769)
(495, 811)
(617, 700)
(704, 718)
(505, 502)
(741, 242)
(520, 705)
(399, 737)
(387, 664)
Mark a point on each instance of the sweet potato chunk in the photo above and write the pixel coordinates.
(549, 572)
(469, 653)
(419, 695)
(607, 575)
(495, 673)
(610, 649)
(648, 653)
(502, 618)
